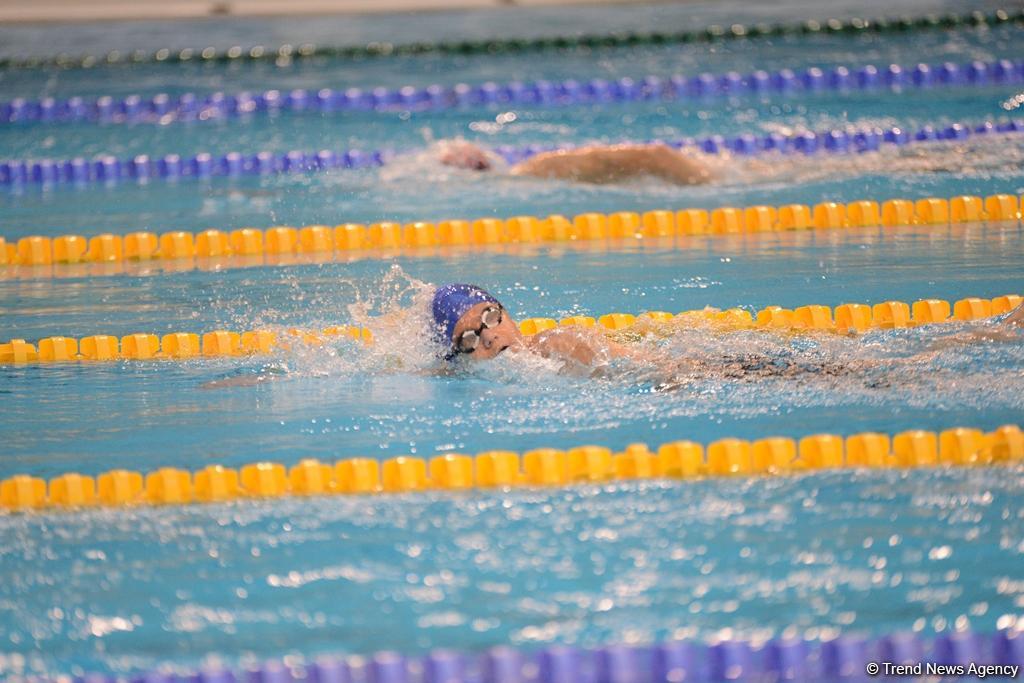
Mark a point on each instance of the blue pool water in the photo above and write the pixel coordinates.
(803, 556)
(329, 406)
(124, 590)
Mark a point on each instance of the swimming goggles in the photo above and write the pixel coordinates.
(470, 339)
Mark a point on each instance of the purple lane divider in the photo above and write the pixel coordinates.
(678, 661)
(109, 169)
(560, 665)
(960, 648)
(843, 658)
(195, 107)
(388, 667)
(731, 660)
(839, 660)
(444, 666)
(621, 664)
(270, 672)
(901, 648)
(788, 659)
(744, 144)
(503, 665)
(169, 166)
(329, 670)
(213, 675)
(1008, 648)
(157, 677)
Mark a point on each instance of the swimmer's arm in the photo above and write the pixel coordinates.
(264, 374)
(1006, 330)
(232, 382)
(611, 164)
(565, 344)
(1015, 318)
(588, 347)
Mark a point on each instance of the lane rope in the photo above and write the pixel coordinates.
(108, 169)
(846, 656)
(286, 55)
(848, 318)
(502, 469)
(39, 256)
(165, 108)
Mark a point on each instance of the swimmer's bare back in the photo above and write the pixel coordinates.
(601, 165)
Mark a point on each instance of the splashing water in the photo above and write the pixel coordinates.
(986, 157)
(693, 358)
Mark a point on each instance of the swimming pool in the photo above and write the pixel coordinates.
(127, 589)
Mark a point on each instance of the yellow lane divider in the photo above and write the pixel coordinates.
(507, 469)
(845, 318)
(177, 345)
(249, 245)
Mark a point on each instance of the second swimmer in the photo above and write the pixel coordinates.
(597, 164)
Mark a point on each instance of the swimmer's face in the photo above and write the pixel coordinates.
(493, 340)
(465, 155)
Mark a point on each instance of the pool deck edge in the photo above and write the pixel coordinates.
(72, 11)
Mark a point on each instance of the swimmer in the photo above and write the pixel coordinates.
(470, 323)
(595, 164)
(606, 164)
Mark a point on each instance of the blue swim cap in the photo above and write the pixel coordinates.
(451, 303)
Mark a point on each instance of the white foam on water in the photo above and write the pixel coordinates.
(678, 366)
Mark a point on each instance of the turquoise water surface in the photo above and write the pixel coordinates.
(811, 555)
